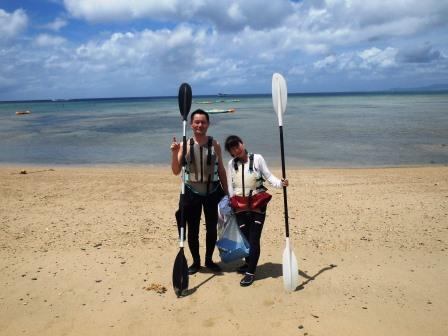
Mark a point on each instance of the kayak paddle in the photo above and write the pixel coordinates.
(180, 268)
(279, 99)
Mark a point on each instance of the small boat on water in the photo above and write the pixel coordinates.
(23, 112)
(214, 111)
(204, 102)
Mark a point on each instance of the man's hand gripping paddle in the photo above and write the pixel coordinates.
(279, 99)
(180, 268)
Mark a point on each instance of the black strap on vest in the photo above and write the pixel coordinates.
(209, 161)
(191, 150)
(251, 163)
(209, 147)
(209, 150)
(192, 156)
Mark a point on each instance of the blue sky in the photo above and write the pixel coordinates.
(121, 48)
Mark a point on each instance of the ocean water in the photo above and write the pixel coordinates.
(321, 130)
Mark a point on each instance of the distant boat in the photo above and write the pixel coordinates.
(236, 100)
(23, 112)
(212, 111)
(222, 95)
(204, 102)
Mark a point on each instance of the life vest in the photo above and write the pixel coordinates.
(202, 164)
(246, 183)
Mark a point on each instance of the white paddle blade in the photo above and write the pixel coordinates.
(279, 96)
(290, 269)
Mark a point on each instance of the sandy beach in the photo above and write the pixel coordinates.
(90, 250)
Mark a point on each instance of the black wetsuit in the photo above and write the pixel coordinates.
(251, 224)
(194, 203)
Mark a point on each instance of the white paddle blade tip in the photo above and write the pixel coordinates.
(279, 96)
(290, 270)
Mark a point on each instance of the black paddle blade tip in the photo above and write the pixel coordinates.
(180, 292)
(180, 274)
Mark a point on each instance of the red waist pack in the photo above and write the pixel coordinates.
(241, 203)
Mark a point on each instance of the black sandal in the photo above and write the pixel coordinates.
(247, 280)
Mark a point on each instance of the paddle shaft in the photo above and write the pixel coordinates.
(285, 195)
(182, 196)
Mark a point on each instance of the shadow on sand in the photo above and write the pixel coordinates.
(271, 270)
(264, 271)
(313, 277)
(195, 288)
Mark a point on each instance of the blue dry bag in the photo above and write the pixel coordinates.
(232, 244)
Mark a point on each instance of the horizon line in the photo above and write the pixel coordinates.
(232, 95)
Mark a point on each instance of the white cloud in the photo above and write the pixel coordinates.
(235, 13)
(12, 24)
(223, 15)
(375, 57)
(326, 62)
(146, 52)
(369, 59)
(121, 10)
(344, 22)
(315, 48)
(57, 24)
(359, 13)
(310, 26)
(45, 40)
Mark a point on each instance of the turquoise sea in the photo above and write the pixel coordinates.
(321, 130)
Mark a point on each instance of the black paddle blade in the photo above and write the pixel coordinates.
(180, 273)
(184, 99)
